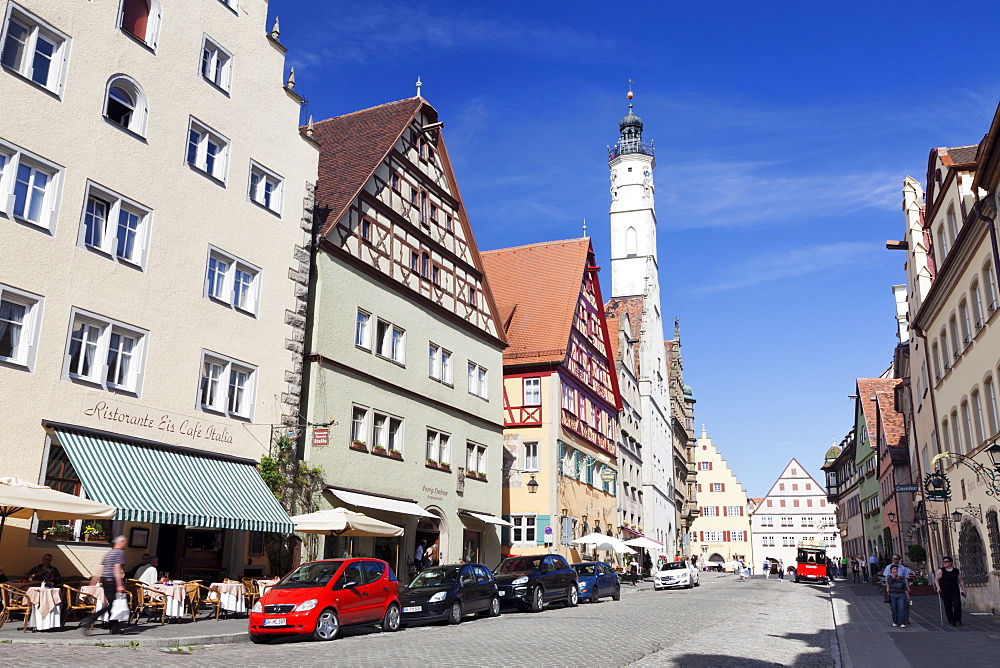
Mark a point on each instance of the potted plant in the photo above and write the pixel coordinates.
(59, 532)
(379, 450)
(431, 463)
(359, 445)
(444, 466)
(94, 533)
(395, 454)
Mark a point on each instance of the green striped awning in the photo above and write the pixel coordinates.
(164, 485)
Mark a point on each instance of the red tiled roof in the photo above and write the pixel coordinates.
(613, 326)
(867, 390)
(633, 306)
(893, 427)
(352, 146)
(537, 288)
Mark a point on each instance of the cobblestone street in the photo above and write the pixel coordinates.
(722, 623)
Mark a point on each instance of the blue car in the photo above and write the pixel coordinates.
(597, 580)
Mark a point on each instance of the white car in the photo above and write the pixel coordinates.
(676, 574)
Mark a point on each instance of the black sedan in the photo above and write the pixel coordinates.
(532, 582)
(448, 593)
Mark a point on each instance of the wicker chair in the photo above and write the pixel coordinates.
(192, 594)
(145, 600)
(252, 593)
(78, 601)
(14, 601)
(210, 602)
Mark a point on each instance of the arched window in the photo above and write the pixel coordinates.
(630, 242)
(990, 394)
(936, 359)
(977, 417)
(993, 531)
(141, 19)
(972, 555)
(945, 356)
(945, 436)
(125, 104)
(942, 245)
(970, 444)
(963, 322)
(989, 289)
(956, 436)
(956, 343)
(977, 305)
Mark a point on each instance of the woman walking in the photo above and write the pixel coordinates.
(855, 569)
(949, 583)
(897, 588)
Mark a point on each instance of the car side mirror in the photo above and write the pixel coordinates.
(348, 584)
(466, 581)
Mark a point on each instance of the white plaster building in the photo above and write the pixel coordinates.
(154, 196)
(795, 509)
(624, 347)
(721, 532)
(635, 287)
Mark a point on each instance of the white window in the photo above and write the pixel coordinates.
(989, 289)
(359, 424)
(34, 49)
(29, 187)
(532, 391)
(125, 104)
(140, 19)
(477, 380)
(716, 486)
(713, 536)
(732, 511)
(531, 456)
(439, 363)
(788, 541)
(387, 432)
(231, 281)
(232, 4)
(266, 188)
(807, 521)
(391, 341)
(227, 386)
(207, 150)
(362, 330)
(20, 313)
(766, 521)
(737, 536)
(475, 458)
(523, 531)
(709, 511)
(787, 520)
(767, 541)
(704, 466)
(216, 64)
(104, 352)
(438, 447)
(114, 226)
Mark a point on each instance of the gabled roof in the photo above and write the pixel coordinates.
(536, 289)
(962, 155)
(353, 146)
(868, 388)
(614, 324)
(892, 427)
(803, 474)
(634, 307)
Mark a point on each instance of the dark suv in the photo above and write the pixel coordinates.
(533, 581)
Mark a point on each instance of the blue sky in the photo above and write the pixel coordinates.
(783, 131)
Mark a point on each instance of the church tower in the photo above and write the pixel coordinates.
(633, 219)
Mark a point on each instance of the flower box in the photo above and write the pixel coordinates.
(395, 454)
(379, 450)
(360, 446)
(475, 475)
(431, 463)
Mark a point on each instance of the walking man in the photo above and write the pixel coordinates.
(872, 567)
(855, 569)
(112, 581)
(949, 583)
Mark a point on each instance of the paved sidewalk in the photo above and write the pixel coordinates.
(868, 639)
(150, 634)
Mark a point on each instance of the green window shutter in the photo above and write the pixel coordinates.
(542, 522)
(505, 532)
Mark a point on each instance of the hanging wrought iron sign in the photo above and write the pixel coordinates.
(937, 487)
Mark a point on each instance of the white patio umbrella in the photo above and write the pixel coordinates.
(343, 522)
(599, 541)
(643, 542)
(20, 498)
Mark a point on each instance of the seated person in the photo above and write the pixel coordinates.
(135, 569)
(148, 573)
(45, 572)
(3, 576)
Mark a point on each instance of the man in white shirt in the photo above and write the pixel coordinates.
(148, 575)
(904, 572)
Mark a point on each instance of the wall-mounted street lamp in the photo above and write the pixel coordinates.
(532, 485)
(987, 474)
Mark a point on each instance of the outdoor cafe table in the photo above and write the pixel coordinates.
(46, 606)
(233, 595)
(97, 592)
(264, 585)
(175, 595)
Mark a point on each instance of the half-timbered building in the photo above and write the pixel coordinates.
(561, 397)
(404, 367)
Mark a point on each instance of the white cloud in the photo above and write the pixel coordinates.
(789, 264)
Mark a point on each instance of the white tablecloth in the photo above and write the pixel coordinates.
(97, 592)
(232, 594)
(44, 599)
(264, 585)
(175, 596)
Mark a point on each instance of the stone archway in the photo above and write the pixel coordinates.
(972, 555)
(438, 524)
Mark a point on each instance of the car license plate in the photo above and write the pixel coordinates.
(502, 592)
(275, 621)
(412, 608)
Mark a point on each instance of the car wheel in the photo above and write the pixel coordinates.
(617, 596)
(494, 609)
(455, 614)
(327, 625)
(573, 597)
(537, 599)
(796, 578)
(259, 640)
(392, 621)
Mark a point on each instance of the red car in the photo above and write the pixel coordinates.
(320, 597)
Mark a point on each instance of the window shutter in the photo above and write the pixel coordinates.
(542, 522)
(710, 466)
(725, 536)
(701, 536)
(723, 487)
(741, 511)
(699, 488)
(717, 513)
(505, 531)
